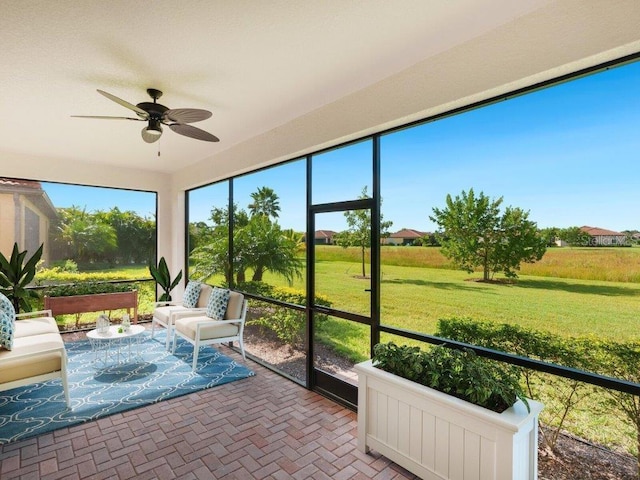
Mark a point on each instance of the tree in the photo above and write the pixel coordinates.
(266, 247)
(199, 234)
(259, 244)
(85, 237)
(359, 232)
(135, 235)
(575, 237)
(474, 234)
(550, 235)
(265, 202)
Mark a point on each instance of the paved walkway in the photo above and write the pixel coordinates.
(261, 427)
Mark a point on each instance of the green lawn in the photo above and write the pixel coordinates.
(415, 298)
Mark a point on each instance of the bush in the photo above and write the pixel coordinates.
(288, 324)
(560, 395)
(88, 288)
(460, 373)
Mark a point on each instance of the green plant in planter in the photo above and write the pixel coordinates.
(460, 373)
(163, 278)
(15, 276)
(88, 288)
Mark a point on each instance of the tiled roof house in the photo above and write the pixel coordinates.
(406, 236)
(602, 237)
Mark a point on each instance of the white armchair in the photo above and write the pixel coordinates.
(203, 330)
(164, 312)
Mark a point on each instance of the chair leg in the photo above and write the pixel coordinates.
(174, 340)
(196, 351)
(242, 348)
(169, 332)
(153, 327)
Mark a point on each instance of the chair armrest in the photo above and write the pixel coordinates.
(166, 303)
(36, 314)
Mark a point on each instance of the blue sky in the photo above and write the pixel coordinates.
(99, 198)
(569, 154)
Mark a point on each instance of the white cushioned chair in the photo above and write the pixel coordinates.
(203, 330)
(163, 313)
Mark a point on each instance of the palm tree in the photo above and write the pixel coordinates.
(265, 203)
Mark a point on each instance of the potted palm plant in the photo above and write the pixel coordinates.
(15, 276)
(447, 413)
(163, 278)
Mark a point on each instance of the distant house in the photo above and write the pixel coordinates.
(601, 237)
(406, 236)
(26, 213)
(324, 237)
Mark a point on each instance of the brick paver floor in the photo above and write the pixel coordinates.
(260, 427)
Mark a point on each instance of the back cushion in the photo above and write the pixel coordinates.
(234, 308)
(205, 293)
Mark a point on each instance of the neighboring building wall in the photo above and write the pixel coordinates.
(25, 217)
(392, 241)
(7, 223)
(601, 237)
(608, 240)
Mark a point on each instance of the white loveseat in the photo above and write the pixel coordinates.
(38, 353)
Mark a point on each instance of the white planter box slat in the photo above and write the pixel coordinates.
(437, 436)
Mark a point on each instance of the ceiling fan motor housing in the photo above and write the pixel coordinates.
(155, 110)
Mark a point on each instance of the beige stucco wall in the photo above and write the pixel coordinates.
(8, 233)
(7, 223)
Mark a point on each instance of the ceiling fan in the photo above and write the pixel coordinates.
(156, 115)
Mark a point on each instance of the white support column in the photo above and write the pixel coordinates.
(171, 232)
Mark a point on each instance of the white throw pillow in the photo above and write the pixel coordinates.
(7, 322)
(191, 294)
(217, 305)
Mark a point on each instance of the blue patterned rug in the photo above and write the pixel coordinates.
(152, 376)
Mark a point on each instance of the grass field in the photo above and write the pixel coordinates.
(580, 263)
(416, 290)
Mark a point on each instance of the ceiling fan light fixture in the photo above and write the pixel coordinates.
(154, 128)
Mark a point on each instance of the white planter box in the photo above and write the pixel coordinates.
(437, 436)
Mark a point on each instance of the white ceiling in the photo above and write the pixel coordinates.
(258, 65)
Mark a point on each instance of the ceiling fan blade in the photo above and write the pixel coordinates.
(186, 115)
(101, 117)
(124, 103)
(193, 132)
(149, 137)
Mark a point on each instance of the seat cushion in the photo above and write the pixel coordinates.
(214, 329)
(35, 326)
(14, 367)
(163, 313)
